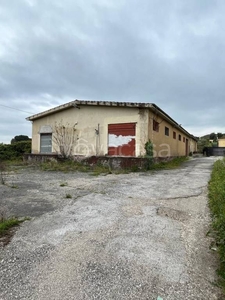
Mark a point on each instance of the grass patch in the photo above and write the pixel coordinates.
(68, 196)
(216, 194)
(15, 164)
(172, 164)
(98, 169)
(63, 184)
(72, 166)
(6, 224)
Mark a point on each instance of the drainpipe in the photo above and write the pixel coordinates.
(97, 140)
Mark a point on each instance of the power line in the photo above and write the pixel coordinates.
(17, 109)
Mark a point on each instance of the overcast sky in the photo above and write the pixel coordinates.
(167, 52)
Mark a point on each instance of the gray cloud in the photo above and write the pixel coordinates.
(166, 52)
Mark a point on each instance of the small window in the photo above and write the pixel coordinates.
(167, 131)
(184, 139)
(179, 137)
(46, 143)
(155, 126)
(174, 135)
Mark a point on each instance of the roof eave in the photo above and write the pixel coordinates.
(51, 111)
(171, 121)
(77, 103)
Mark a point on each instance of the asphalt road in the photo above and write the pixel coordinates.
(133, 236)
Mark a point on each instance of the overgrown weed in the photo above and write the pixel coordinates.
(98, 169)
(216, 195)
(172, 164)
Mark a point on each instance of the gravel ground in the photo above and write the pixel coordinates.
(133, 236)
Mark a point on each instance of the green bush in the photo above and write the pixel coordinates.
(149, 154)
(15, 150)
(217, 207)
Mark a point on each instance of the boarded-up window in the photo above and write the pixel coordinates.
(121, 139)
(155, 125)
(179, 137)
(174, 135)
(45, 142)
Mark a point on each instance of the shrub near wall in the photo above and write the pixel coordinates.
(217, 207)
(15, 150)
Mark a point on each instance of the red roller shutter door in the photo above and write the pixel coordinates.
(121, 139)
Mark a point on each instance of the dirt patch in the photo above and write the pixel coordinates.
(173, 214)
(132, 210)
(7, 236)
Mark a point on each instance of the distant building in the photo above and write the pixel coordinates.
(110, 128)
(221, 142)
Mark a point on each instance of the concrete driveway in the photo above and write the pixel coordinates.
(133, 236)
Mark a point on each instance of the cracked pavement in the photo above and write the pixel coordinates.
(127, 236)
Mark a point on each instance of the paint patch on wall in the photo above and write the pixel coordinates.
(119, 140)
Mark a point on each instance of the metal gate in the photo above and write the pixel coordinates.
(121, 139)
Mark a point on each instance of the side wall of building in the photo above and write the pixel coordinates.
(91, 127)
(221, 142)
(167, 139)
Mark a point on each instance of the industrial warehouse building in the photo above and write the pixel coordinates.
(102, 128)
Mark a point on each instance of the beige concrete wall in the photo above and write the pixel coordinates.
(221, 142)
(193, 146)
(166, 145)
(87, 119)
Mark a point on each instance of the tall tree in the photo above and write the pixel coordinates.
(19, 138)
(202, 143)
(212, 136)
